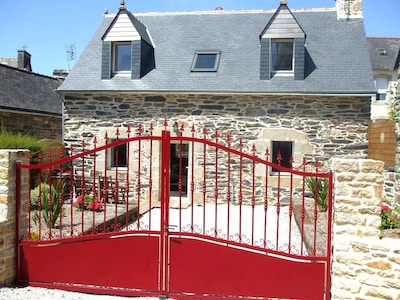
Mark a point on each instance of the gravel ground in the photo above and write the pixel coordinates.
(31, 293)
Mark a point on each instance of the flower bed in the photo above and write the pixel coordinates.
(390, 221)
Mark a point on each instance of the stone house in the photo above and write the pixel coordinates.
(295, 81)
(385, 58)
(29, 103)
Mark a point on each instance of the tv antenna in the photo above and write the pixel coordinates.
(70, 51)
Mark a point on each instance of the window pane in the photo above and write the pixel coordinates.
(205, 61)
(285, 150)
(382, 86)
(380, 97)
(122, 57)
(282, 55)
(119, 156)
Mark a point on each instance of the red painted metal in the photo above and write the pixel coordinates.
(213, 269)
(238, 221)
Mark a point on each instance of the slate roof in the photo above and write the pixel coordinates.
(23, 91)
(337, 58)
(384, 52)
(9, 61)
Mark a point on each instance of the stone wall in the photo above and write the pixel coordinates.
(328, 125)
(389, 194)
(8, 159)
(363, 265)
(40, 126)
(397, 166)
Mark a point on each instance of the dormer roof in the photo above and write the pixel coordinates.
(283, 24)
(126, 27)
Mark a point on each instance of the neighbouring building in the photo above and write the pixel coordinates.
(29, 103)
(385, 58)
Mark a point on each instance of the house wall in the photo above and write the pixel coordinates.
(319, 126)
(43, 127)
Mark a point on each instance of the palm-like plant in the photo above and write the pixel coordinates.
(50, 207)
(319, 188)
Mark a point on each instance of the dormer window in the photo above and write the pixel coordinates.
(282, 55)
(283, 46)
(205, 62)
(122, 54)
(127, 47)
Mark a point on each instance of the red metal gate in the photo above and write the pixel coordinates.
(175, 216)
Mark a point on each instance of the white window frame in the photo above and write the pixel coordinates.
(382, 88)
(198, 54)
(273, 55)
(116, 70)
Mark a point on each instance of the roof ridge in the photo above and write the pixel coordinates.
(212, 12)
(26, 71)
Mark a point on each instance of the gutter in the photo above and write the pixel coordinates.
(180, 92)
(29, 112)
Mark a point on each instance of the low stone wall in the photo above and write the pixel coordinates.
(363, 265)
(8, 159)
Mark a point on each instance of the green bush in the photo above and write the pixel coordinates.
(319, 187)
(10, 140)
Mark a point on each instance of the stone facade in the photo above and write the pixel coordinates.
(40, 126)
(363, 266)
(8, 159)
(319, 127)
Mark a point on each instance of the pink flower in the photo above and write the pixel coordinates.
(79, 200)
(95, 204)
(385, 207)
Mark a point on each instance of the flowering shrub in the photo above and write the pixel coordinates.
(88, 202)
(390, 217)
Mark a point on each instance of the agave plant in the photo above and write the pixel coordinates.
(319, 188)
(50, 207)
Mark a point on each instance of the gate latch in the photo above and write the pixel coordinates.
(170, 227)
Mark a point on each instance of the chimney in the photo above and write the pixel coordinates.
(24, 60)
(349, 9)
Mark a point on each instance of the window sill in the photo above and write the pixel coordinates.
(121, 74)
(283, 74)
(119, 169)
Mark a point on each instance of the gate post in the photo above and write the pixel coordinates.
(8, 212)
(164, 202)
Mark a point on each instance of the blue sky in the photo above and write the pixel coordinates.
(47, 27)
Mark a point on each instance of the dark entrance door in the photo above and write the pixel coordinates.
(179, 169)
